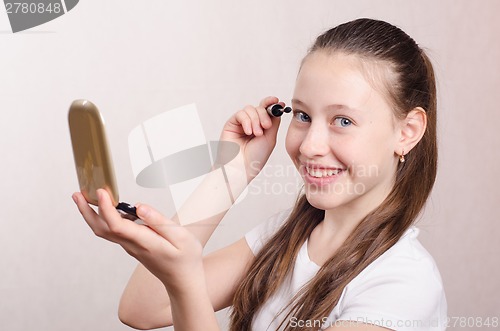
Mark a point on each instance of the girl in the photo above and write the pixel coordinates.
(363, 138)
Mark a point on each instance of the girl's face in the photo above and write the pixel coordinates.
(343, 134)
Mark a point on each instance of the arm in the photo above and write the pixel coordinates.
(224, 269)
(145, 302)
(169, 251)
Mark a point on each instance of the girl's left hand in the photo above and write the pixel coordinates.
(164, 247)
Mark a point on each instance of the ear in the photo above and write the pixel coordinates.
(412, 129)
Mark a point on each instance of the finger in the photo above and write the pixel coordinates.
(244, 120)
(271, 133)
(254, 117)
(168, 229)
(136, 239)
(267, 101)
(89, 215)
(262, 109)
(119, 227)
(264, 117)
(106, 207)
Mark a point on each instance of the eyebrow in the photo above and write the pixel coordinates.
(334, 106)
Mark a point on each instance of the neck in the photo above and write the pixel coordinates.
(340, 222)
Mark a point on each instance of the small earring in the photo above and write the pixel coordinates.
(402, 156)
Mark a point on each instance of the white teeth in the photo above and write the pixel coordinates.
(322, 172)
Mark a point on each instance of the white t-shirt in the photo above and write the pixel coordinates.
(400, 290)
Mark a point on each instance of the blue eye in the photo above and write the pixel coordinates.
(301, 116)
(342, 122)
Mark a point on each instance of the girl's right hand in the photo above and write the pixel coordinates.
(255, 131)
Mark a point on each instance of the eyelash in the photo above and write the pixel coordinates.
(297, 113)
(343, 119)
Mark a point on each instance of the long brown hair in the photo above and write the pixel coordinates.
(412, 84)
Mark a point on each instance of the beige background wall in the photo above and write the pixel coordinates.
(136, 59)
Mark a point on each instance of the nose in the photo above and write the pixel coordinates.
(316, 142)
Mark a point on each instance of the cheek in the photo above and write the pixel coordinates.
(292, 142)
(373, 154)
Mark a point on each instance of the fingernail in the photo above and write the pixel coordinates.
(143, 211)
(75, 199)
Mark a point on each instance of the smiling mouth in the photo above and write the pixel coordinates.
(322, 173)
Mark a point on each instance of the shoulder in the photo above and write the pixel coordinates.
(258, 236)
(407, 259)
(403, 284)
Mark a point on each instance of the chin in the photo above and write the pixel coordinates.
(322, 202)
